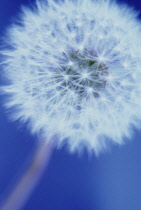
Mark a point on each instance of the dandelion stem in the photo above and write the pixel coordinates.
(29, 180)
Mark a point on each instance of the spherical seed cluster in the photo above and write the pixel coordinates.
(74, 71)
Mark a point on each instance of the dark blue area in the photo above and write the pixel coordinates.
(111, 181)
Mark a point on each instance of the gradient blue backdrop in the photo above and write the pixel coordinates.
(71, 182)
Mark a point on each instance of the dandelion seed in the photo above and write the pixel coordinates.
(66, 58)
(85, 75)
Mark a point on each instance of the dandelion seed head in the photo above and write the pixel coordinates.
(74, 71)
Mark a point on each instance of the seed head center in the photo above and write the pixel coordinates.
(83, 74)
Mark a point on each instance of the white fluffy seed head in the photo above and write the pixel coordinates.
(74, 71)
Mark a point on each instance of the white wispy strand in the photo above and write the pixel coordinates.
(74, 71)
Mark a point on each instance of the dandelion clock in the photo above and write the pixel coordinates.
(73, 71)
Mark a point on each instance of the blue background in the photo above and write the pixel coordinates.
(111, 181)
